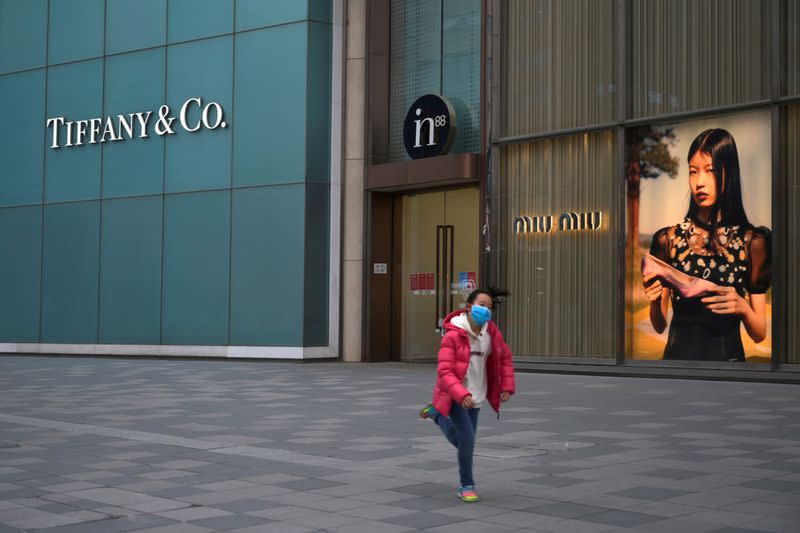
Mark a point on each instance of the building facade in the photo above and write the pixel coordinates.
(572, 168)
(330, 178)
(168, 184)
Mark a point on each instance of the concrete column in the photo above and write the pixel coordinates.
(353, 181)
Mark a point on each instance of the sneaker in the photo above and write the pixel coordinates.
(428, 411)
(468, 494)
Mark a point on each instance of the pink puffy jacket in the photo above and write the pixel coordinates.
(454, 355)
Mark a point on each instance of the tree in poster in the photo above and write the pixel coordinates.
(648, 157)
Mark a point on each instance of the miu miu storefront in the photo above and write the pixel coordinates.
(592, 138)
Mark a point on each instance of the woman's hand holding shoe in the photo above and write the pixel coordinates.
(726, 301)
(652, 290)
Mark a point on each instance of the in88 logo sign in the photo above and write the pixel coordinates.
(430, 127)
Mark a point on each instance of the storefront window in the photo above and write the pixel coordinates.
(699, 196)
(558, 64)
(435, 48)
(793, 241)
(698, 259)
(557, 246)
(696, 54)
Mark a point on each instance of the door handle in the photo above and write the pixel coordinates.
(437, 278)
(445, 260)
(451, 262)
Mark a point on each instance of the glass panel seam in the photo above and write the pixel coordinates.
(282, 24)
(44, 173)
(23, 71)
(102, 179)
(175, 43)
(163, 187)
(230, 183)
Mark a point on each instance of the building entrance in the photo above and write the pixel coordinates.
(440, 258)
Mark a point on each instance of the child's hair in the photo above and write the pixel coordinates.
(495, 293)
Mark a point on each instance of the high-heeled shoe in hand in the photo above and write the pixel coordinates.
(685, 285)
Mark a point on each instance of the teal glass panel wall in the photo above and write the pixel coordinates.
(23, 34)
(70, 264)
(316, 281)
(196, 268)
(318, 97)
(75, 92)
(258, 14)
(264, 156)
(134, 82)
(66, 43)
(197, 19)
(130, 271)
(199, 69)
(135, 25)
(20, 273)
(320, 10)
(22, 156)
(213, 237)
(267, 294)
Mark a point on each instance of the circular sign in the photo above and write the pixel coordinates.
(429, 127)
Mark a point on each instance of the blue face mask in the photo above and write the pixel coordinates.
(480, 314)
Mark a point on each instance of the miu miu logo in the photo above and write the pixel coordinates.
(570, 221)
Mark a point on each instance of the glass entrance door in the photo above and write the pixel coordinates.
(440, 261)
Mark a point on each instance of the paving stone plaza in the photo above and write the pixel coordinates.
(93, 445)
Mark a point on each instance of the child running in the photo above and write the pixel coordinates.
(474, 365)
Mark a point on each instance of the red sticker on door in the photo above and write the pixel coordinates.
(414, 282)
(431, 282)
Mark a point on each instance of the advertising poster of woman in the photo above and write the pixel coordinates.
(699, 251)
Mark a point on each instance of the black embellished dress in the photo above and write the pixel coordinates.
(739, 258)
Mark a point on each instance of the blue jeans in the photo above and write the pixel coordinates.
(460, 428)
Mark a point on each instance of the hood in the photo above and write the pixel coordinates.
(448, 321)
(462, 322)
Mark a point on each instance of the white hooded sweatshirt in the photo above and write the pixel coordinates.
(480, 349)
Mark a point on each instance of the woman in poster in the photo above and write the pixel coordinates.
(717, 244)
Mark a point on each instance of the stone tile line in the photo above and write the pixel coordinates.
(155, 438)
(219, 446)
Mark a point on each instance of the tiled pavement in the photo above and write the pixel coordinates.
(193, 446)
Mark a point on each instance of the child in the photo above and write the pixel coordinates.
(474, 366)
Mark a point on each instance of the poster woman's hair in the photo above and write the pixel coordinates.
(719, 144)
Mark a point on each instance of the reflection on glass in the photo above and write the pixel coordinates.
(435, 48)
